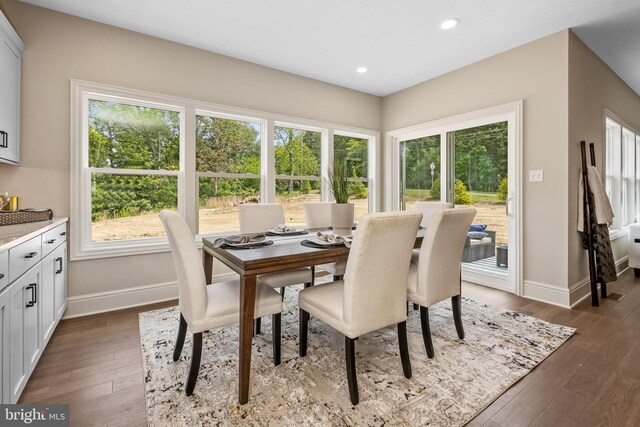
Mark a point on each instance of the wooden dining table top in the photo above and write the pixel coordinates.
(285, 251)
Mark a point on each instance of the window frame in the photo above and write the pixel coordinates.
(80, 211)
(621, 183)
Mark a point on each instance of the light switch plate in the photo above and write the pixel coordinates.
(536, 175)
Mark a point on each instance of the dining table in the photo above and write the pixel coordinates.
(286, 253)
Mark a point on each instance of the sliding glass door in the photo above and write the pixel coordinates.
(468, 160)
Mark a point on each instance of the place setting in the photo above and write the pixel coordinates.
(327, 240)
(242, 241)
(286, 230)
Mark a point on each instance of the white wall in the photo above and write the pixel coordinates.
(62, 47)
(593, 86)
(536, 73)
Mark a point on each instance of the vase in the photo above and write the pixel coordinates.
(342, 218)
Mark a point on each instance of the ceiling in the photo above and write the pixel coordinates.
(399, 41)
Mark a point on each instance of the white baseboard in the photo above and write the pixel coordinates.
(101, 302)
(546, 293)
(582, 290)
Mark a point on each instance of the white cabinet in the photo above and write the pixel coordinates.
(4, 347)
(24, 341)
(53, 292)
(31, 305)
(11, 48)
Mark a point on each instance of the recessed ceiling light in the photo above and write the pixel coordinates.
(361, 70)
(449, 24)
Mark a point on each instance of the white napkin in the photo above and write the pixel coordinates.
(284, 228)
(334, 238)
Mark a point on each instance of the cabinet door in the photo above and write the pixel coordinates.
(4, 348)
(47, 297)
(24, 339)
(60, 283)
(9, 107)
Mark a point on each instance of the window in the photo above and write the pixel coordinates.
(297, 163)
(354, 151)
(133, 156)
(622, 171)
(228, 170)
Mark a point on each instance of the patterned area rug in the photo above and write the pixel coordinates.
(499, 348)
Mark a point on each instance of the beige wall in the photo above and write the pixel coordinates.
(593, 86)
(536, 73)
(61, 47)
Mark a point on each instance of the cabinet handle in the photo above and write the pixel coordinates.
(5, 139)
(64, 233)
(33, 301)
(59, 270)
(50, 241)
(31, 254)
(1, 275)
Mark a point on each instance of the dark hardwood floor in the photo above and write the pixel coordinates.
(94, 364)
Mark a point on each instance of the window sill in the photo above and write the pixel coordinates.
(616, 234)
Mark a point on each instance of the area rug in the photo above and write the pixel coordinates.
(499, 348)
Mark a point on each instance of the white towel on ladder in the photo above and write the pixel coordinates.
(601, 204)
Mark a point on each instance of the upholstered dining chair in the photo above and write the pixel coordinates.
(204, 307)
(373, 292)
(435, 275)
(258, 218)
(429, 209)
(318, 215)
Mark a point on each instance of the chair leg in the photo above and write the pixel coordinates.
(350, 357)
(337, 277)
(276, 337)
(416, 306)
(303, 324)
(195, 363)
(282, 292)
(258, 326)
(404, 349)
(456, 304)
(426, 331)
(313, 278)
(182, 331)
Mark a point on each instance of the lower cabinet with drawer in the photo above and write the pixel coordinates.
(31, 306)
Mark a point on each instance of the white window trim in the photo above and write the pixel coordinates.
(82, 91)
(618, 228)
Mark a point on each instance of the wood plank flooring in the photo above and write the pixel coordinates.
(94, 365)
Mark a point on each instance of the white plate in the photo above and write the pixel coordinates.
(242, 245)
(284, 233)
(321, 242)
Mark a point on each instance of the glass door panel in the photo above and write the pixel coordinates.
(419, 171)
(479, 179)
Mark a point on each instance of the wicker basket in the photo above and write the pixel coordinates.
(25, 215)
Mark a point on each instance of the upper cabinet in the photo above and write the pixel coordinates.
(11, 48)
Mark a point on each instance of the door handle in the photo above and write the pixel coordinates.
(59, 270)
(32, 288)
(5, 139)
(508, 206)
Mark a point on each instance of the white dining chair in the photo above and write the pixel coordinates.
(318, 215)
(204, 307)
(436, 274)
(258, 218)
(373, 293)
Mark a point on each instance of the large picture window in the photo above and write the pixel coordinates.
(133, 156)
(622, 171)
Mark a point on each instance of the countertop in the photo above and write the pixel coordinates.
(13, 235)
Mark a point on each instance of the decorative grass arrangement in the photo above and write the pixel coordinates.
(338, 180)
